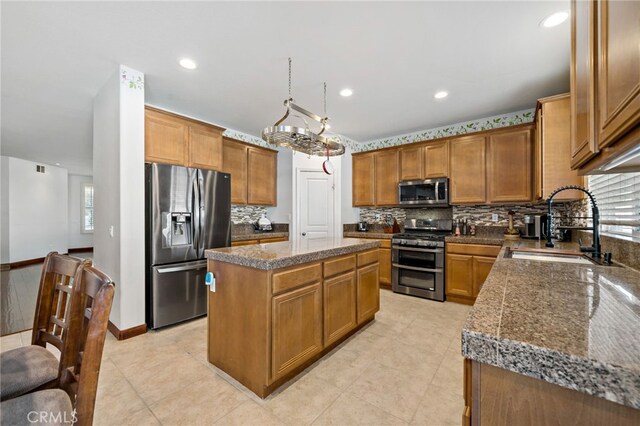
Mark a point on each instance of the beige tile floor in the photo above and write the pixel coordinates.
(404, 368)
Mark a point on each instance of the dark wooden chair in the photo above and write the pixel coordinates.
(75, 400)
(33, 367)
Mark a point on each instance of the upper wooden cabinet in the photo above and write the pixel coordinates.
(253, 172)
(363, 179)
(172, 139)
(509, 168)
(468, 170)
(553, 150)
(411, 162)
(262, 166)
(436, 159)
(618, 69)
(386, 181)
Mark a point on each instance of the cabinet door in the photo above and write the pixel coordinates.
(273, 240)
(436, 159)
(339, 306)
(509, 166)
(481, 268)
(262, 172)
(459, 273)
(368, 292)
(363, 179)
(583, 58)
(205, 147)
(385, 266)
(555, 118)
(386, 177)
(468, 170)
(164, 138)
(296, 328)
(234, 162)
(537, 156)
(411, 162)
(619, 69)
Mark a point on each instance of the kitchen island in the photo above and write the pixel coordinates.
(553, 343)
(279, 307)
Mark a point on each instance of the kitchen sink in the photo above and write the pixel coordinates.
(552, 256)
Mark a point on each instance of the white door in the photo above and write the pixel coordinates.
(315, 205)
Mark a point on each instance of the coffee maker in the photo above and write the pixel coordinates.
(535, 226)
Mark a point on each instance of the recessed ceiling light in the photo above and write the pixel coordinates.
(554, 19)
(441, 94)
(327, 126)
(346, 92)
(188, 64)
(57, 164)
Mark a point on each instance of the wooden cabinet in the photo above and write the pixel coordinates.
(509, 166)
(172, 139)
(339, 306)
(368, 292)
(363, 179)
(552, 149)
(164, 138)
(467, 267)
(411, 162)
(296, 328)
(386, 177)
(262, 166)
(244, 243)
(253, 173)
(436, 159)
(384, 252)
(468, 170)
(618, 69)
(259, 241)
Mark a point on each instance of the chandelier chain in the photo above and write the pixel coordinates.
(289, 77)
(325, 98)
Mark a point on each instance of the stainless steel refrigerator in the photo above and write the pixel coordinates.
(187, 211)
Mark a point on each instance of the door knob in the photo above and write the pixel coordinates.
(304, 234)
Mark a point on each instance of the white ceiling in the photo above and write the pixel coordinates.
(492, 57)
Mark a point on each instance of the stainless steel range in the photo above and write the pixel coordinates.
(417, 258)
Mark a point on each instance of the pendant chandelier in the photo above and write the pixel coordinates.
(302, 139)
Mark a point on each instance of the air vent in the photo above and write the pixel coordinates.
(39, 169)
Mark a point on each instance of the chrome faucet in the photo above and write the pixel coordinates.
(595, 213)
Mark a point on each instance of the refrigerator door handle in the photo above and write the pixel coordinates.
(201, 198)
(195, 211)
(188, 267)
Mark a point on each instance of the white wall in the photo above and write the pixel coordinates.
(4, 210)
(350, 214)
(118, 179)
(36, 207)
(282, 212)
(77, 239)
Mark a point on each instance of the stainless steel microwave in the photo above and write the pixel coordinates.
(428, 192)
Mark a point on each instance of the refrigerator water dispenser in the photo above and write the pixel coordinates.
(179, 230)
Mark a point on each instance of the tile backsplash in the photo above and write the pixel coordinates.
(246, 214)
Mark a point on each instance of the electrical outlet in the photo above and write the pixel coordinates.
(494, 217)
(111, 231)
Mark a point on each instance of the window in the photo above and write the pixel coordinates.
(86, 200)
(618, 198)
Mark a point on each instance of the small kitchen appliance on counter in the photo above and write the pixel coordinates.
(363, 226)
(535, 226)
(263, 224)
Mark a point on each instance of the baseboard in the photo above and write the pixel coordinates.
(80, 249)
(127, 333)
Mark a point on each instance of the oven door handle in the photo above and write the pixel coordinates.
(404, 248)
(415, 268)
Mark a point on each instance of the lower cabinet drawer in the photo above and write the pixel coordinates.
(339, 265)
(367, 257)
(295, 277)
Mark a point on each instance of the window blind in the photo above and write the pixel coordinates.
(87, 207)
(618, 198)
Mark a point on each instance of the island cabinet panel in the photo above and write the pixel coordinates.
(205, 147)
(339, 265)
(468, 170)
(411, 162)
(234, 160)
(619, 69)
(386, 172)
(262, 166)
(368, 292)
(436, 159)
(339, 306)
(295, 277)
(509, 166)
(363, 179)
(367, 257)
(164, 138)
(296, 328)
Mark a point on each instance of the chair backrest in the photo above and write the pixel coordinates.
(60, 275)
(89, 318)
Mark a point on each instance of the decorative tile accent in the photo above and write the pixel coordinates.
(246, 214)
(245, 137)
(131, 78)
(495, 122)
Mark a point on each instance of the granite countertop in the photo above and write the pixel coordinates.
(473, 239)
(289, 253)
(259, 235)
(376, 235)
(574, 325)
